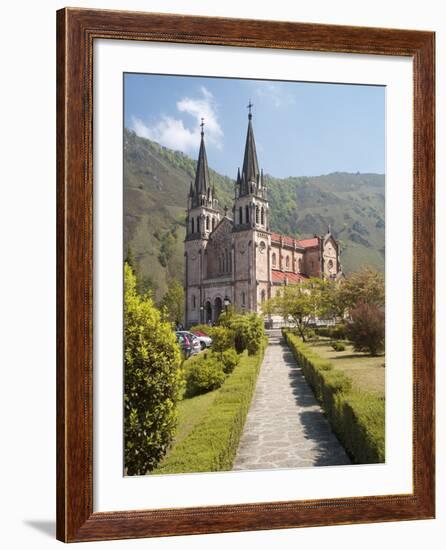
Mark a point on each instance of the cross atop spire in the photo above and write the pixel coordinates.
(250, 171)
(202, 180)
(249, 107)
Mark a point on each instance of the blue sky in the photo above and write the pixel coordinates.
(301, 129)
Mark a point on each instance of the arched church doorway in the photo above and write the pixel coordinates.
(218, 306)
(208, 312)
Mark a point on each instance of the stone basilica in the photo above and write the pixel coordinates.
(236, 259)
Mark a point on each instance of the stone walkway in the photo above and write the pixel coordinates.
(285, 427)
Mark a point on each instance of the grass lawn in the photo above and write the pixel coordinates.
(366, 372)
(190, 412)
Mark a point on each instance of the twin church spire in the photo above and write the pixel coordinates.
(201, 192)
(249, 183)
(250, 171)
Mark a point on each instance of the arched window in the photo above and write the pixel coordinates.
(207, 223)
(220, 266)
(213, 224)
(257, 214)
(198, 225)
(230, 262)
(193, 226)
(246, 214)
(300, 265)
(287, 261)
(263, 296)
(262, 216)
(194, 303)
(240, 212)
(243, 298)
(274, 260)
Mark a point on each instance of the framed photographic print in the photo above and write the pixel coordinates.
(245, 275)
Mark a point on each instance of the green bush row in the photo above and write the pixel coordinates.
(212, 445)
(356, 417)
(338, 332)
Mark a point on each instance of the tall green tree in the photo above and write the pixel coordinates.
(362, 287)
(302, 303)
(173, 302)
(153, 380)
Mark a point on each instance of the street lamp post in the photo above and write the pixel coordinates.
(226, 303)
(201, 313)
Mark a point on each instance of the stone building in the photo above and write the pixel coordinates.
(235, 258)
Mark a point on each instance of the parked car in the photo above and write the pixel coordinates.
(205, 340)
(194, 341)
(185, 344)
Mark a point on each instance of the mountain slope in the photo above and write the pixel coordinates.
(157, 180)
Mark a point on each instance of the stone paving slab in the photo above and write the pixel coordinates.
(285, 426)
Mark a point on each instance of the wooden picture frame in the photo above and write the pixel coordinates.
(76, 31)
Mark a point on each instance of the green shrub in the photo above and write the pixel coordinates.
(222, 339)
(153, 380)
(212, 444)
(310, 334)
(248, 332)
(356, 417)
(337, 332)
(241, 329)
(230, 360)
(338, 346)
(256, 333)
(204, 376)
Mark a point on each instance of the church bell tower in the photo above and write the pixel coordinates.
(202, 217)
(202, 208)
(252, 238)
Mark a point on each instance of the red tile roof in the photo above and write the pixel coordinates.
(292, 278)
(308, 243)
(290, 241)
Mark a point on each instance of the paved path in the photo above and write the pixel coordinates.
(285, 427)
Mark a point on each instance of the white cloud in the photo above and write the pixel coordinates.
(274, 93)
(172, 132)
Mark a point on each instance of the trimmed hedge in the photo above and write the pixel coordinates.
(356, 417)
(338, 332)
(212, 445)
